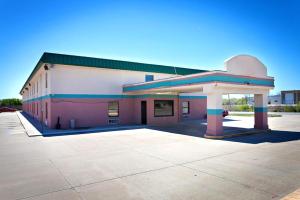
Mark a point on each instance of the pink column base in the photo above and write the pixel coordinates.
(261, 120)
(214, 125)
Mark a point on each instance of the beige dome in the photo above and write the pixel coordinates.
(245, 65)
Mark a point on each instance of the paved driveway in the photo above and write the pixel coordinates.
(149, 164)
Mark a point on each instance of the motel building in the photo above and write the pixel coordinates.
(66, 91)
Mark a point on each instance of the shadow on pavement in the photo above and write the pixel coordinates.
(197, 128)
(275, 136)
(47, 132)
(36, 123)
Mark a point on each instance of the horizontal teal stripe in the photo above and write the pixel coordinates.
(204, 79)
(261, 109)
(98, 96)
(192, 97)
(214, 111)
(36, 99)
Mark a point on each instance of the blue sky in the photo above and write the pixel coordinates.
(197, 34)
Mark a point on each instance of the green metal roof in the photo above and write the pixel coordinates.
(54, 58)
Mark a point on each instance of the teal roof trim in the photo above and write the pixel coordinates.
(54, 58)
(98, 96)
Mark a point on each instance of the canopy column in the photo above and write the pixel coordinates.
(261, 111)
(214, 116)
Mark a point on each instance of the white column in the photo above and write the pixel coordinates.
(214, 115)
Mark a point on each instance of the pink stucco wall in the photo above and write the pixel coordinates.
(151, 120)
(94, 112)
(37, 110)
(197, 108)
(214, 125)
(89, 112)
(261, 120)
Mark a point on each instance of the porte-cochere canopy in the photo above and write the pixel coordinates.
(243, 74)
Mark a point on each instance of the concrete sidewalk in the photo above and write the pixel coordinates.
(30, 129)
(35, 128)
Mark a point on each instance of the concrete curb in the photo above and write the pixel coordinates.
(30, 130)
(88, 131)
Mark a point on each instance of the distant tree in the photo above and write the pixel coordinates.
(242, 101)
(232, 101)
(10, 102)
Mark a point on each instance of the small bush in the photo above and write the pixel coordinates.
(289, 109)
(241, 108)
(297, 107)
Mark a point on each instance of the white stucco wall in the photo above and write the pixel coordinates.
(89, 80)
(38, 85)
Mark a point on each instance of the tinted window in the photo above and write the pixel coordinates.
(113, 109)
(163, 108)
(149, 78)
(185, 107)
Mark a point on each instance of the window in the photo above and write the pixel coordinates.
(113, 109)
(46, 80)
(163, 108)
(149, 78)
(185, 107)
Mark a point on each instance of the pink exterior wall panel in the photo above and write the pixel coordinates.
(214, 125)
(261, 120)
(151, 119)
(37, 110)
(197, 108)
(93, 112)
(89, 112)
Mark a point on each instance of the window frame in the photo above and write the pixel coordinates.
(171, 115)
(188, 107)
(149, 77)
(118, 109)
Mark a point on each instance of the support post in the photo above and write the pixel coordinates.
(214, 116)
(261, 111)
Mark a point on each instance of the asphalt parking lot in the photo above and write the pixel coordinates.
(150, 164)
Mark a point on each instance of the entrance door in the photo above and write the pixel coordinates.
(144, 112)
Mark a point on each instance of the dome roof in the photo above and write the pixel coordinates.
(245, 65)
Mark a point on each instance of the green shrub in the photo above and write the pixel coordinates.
(289, 109)
(297, 107)
(246, 108)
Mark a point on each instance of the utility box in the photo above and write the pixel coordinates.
(72, 123)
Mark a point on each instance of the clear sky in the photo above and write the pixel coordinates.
(196, 34)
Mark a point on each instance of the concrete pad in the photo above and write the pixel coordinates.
(170, 183)
(271, 181)
(149, 164)
(31, 179)
(60, 195)
(269, 160)
(81, 170)
(192, 150)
